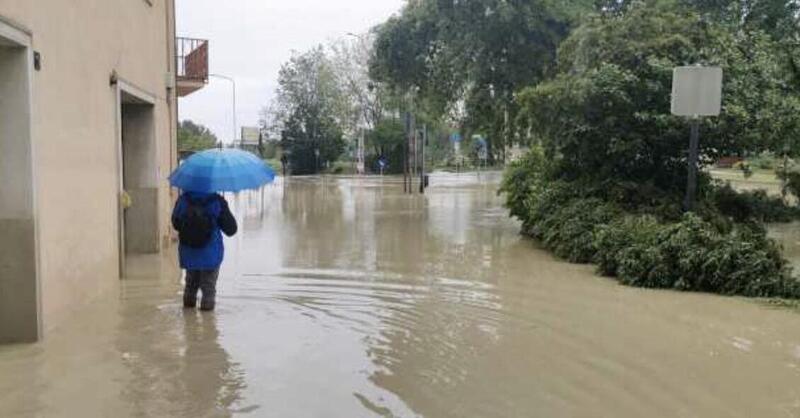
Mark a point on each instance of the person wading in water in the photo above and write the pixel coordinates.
(200, 219)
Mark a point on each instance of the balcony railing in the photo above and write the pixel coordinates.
(192, 62)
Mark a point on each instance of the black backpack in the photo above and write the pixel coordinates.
(196, 224)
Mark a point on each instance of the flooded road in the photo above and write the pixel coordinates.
(345, 298)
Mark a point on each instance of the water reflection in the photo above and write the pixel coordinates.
(207, 369)
(176, 364)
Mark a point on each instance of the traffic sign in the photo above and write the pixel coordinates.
(696, 91)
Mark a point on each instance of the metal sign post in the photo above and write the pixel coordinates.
(483, 152)
(696, 92)
(409, 157)
(360, 164)
(423, 177)
(694, 151)
(456, 139)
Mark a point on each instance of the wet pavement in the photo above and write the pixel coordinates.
(344, 298)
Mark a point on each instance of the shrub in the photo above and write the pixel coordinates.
(546, 203)
(790, 175)
(569, 230)
(765, 161)
(747, 263)
(611, 239)
(642, 265)
(639, 235)
(692, 255)
(750, 206)
(522, 181)
(745, 168)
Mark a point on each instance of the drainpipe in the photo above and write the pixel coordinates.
(172, 99)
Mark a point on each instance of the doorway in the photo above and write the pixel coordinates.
(138, 174)
(20, 316)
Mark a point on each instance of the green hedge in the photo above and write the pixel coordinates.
(691, 254)
(722, 249)
(754, 205)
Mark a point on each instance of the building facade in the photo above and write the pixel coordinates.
(88, 115)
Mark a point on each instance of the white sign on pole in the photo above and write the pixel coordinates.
(250, 135)
(696, 91)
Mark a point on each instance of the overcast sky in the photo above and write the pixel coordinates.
(250, 39)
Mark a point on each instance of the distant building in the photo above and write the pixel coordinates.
(88, 110)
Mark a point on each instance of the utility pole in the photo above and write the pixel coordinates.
(407, 126)
(422, 175)
(505, 133)
(360, 153)
(413, 144)
(413, 157)
(408, 173)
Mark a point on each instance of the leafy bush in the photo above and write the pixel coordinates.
(754, 205)
(750, 264)
(790, 175)
(611, 239)
(675, 250)
(569, 231)
(765, 161)
(744, 167)
(793, 183)
(522, 179)
(692, 255)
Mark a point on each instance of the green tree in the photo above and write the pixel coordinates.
(605, 116)
(780, 19)
(365, 101)
(473, 55)
(309, 103)
(387, 140)
(193, 137)
(368, 104)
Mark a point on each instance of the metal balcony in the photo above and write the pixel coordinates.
(192, 65)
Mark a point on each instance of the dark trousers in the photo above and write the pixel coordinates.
(205, 281)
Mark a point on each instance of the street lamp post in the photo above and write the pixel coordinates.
(233, 84)
(360, 163)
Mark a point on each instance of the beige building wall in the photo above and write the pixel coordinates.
(75, 133)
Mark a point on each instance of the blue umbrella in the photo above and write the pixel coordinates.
(221, 170)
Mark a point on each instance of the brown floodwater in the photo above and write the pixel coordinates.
(345, 298)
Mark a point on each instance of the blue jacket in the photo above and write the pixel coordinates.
(209, 257)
